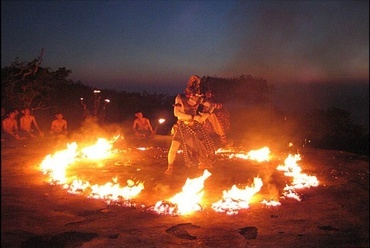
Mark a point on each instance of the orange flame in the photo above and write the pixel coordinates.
(260, 155)
(101, 149)
(187, 201)
(236, 199)
(56, 166)
(300, 180)
(113, 192)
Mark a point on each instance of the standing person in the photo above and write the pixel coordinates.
(188, 130)
(219, 121)
(59, 126)
(26, 122)
(142, 127)
(10, 127)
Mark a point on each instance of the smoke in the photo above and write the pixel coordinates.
(91, 130)
(300, 41)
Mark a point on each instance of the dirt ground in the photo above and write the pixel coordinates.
(35, 213)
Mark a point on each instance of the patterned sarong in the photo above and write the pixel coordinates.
(196, 143)
(223, 117)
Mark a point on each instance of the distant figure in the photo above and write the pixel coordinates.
(10, 127)
(26, 122)
(86, 112)
(142, 127)
(219, 121)
(188, 131)
(59, 126)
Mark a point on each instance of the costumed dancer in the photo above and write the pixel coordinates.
(188, 131)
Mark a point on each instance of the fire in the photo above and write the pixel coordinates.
(260, 155)
(187, 201)
(271, 203)
(236, 199)
(100, 150)
(223, 151)
(300, 180)
(77, 186)
(113, 192)
(56, 166)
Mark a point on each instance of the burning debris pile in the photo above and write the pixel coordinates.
(187, 201)
(236, 199)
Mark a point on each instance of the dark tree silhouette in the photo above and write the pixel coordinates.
(30, 85)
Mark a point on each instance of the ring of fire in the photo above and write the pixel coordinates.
(183, 203)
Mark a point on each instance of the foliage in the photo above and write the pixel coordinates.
(30, 85)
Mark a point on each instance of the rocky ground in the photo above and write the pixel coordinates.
(35, 213)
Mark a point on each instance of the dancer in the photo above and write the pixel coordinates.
(188, 130)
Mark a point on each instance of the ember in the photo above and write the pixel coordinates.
(271, 203)
(113, 191)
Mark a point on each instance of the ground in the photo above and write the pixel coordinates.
(35, 213)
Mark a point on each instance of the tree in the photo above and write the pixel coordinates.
(27, 84)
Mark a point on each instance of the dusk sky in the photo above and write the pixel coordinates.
(157, 45)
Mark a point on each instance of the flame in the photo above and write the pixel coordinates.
(183, 203)
(116, 137)
(260, 155)
(113, 192)
(300, 180)
(56, 166)
(236, 199)
(101, 149)
(223, 150)
(77, 186)
(271, 203)
(187, 201)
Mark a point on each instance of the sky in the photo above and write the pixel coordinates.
(156, 45)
